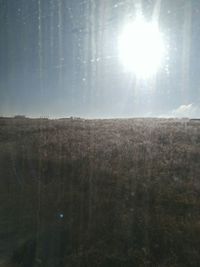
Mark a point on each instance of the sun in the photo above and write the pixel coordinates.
(141, 48)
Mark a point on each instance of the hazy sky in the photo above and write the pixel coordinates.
(60, 58)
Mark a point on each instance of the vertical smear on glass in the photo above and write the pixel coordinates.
(92, 50)
(85, 53)
(138, 8)
(186, 52)
(156, 11)
(40, 45)
(60, 41)
(52, 6)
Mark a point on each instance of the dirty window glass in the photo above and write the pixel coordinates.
(99, 133)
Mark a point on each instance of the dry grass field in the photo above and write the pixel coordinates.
(106, 193)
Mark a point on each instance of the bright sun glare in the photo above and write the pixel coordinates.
(141, 47)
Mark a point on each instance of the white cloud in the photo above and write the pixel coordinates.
(186, 111)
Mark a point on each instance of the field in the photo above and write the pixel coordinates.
(104, 193)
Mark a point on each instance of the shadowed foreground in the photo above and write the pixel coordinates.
(104, 193)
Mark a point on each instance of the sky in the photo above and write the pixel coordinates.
(60, 58)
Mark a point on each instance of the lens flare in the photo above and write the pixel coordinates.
(141, 48)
